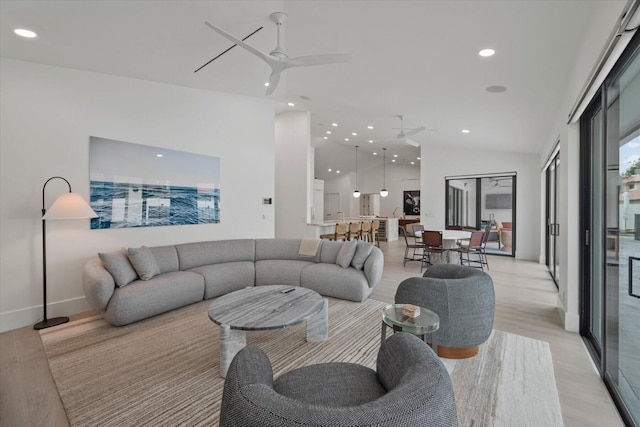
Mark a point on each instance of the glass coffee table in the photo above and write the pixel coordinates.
(425, 323)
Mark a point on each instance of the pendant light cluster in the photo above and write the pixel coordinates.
(384, 192)
(356, 193)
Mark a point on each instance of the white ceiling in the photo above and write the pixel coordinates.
(417, 58)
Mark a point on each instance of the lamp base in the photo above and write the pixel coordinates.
(50, 322)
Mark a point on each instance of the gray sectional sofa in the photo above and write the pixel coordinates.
(134, 284)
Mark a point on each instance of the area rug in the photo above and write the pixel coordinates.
(165, 370)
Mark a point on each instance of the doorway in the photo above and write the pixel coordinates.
(484, 202)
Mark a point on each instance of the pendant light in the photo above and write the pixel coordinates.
(384, 192)
(356, 193)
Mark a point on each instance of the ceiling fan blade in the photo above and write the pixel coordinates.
(240, 43)
(273, 82)
(328, 58)
(414, 131)
(411, 142)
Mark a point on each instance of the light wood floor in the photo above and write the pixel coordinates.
(525, 305)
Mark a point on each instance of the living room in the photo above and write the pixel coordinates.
(49, 109)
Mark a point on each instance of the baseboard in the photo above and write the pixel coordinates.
(571, 321)
(28, 316)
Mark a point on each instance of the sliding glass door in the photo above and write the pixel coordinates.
(610, 133)
(484, 202)
(553, 226)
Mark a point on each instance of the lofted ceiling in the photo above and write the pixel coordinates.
(416, 58)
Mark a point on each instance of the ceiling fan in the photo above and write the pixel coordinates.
(404, 136)
(277, 59)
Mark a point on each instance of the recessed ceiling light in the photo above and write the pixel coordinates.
(158, 155)
(334, 124)
(329, 170)
(417, 158)
(354, 134)
(496, 89)
(328, 132)
(346, 139)
(369, 127)
(371, 141)
(487, 52)
(413, 163)
(266, 84)
(375, 154)
(395, 155)
(393, 160)
(291, 104)
(337, 171)
(325, 137)
(465, 130)
(25, 33)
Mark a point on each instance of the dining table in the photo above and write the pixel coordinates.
(450, 239)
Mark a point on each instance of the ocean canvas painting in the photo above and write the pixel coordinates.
(134, 185)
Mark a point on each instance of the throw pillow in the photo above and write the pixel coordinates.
(346, 253)
(144, 262)
(117, 263)
(362, 253)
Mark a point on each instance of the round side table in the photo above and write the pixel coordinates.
(425, 323)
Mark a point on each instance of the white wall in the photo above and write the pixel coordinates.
(568, 136)
(398, 179)
(47, 115)
(294, 173)
(437, 163)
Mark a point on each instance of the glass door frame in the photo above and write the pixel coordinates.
(478, 203)
(588, 237)
(552, 230)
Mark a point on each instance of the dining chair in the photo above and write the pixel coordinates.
(474, 248)
(410, 247)
(417, 232)
(365, 231)
(339, 233)
(375, 227)
(432, 242)
(354, 231)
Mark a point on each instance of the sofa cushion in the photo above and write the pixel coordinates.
(346, 253)
(118, 265)
(166, 257)
(331, 280)
(146, 298)
(280, 271)
(197, 254)
(362, 253)
(144, 262)
(284, 249)
(220, 279)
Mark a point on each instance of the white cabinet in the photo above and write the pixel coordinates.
(370, 204)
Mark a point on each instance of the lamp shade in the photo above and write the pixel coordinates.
(356, 194)
(69, 206)
(384, 192)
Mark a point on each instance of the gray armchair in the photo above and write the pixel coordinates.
(410, 387)
(464, 299)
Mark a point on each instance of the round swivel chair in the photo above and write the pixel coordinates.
(410, 387)
(464, 299)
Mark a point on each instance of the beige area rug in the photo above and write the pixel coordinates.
(164, 371)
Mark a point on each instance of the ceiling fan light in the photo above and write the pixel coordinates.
(356, 194)
(384, 192)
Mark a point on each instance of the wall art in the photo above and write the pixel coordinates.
(134, 185)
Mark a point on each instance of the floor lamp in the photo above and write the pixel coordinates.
(67, 206)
